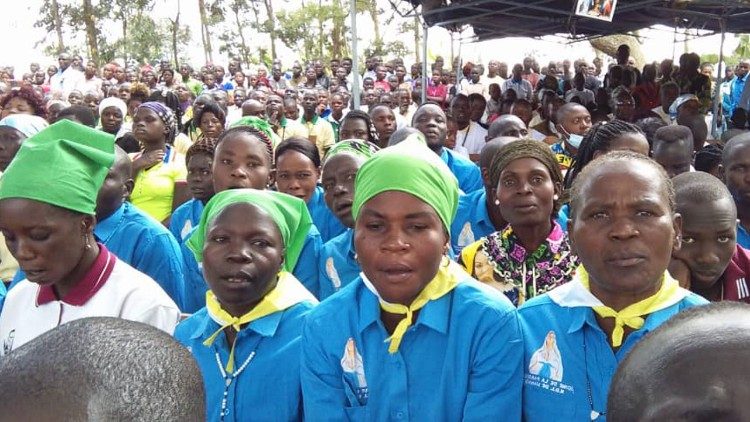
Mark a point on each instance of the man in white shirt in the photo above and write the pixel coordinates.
(493, 77)
(67, 77)
(469, 135)
(473, 85)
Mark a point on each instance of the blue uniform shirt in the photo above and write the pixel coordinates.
(461, 360)
(467, 173)
(743, 237)
(337, 264)
(145, 244)
(566, 350)
(328, 225)
(306, 271)
(184, 218)
(268, 389)
(472, 220)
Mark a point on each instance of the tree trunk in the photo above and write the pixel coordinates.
(378, 42)
(205, 33)
(241, 30)
(175, 30)
(58, 25)
(417, 25)
(608, 45)
(320, 30)
(91, 31)
(124, 39)
(271, 27)
(338, 44)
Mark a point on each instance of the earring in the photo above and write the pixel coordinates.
(86, 241)
(555, 198)
(497, 202)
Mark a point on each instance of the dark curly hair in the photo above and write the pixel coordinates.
(204, 146)
(598, 138)
(28, 94)
(262, 137)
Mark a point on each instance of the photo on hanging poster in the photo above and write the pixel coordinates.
(596, 9)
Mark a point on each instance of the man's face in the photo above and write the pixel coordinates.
(400, 72)
(475, 74)
(380, 73)
(341, 73)
(309, 102)
(347, 65)
(517, 71)
(742, 69)
(318, 68)
(577, 121)
(296, 69)
(63, 60)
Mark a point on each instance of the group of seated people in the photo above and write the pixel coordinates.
(386, 274)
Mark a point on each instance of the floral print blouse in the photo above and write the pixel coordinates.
(501, 261)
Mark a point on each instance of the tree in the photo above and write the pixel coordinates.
(608, 45)
(51, 20)
(124, 11)
(206, 21)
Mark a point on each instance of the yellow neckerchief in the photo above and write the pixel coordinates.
(446, 279)
(632, 315)
(287, 293)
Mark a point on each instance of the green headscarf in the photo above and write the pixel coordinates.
(257, 123)
(355, 147)
(289, 213)
(413, 168)
(63, 165)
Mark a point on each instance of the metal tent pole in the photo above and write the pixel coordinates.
(424, 61)
(717, 93)
(355, 56)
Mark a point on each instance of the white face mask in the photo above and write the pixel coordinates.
(574, 140)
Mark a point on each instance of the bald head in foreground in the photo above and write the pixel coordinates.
(101, 369)
(692, 368)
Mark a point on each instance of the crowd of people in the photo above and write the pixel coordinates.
(496, 251)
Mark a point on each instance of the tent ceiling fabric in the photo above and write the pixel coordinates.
(536, 18)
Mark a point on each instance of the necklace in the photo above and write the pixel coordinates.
(228, 378)
(594, 414)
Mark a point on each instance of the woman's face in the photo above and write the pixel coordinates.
(623, 230)
(48, 242)
(296, 175)
(111, 119)
(10, 142)
(400, 242)
(338, 177)
(148, 127)
(526, 192)
(199, 178)
(242, 256)
(17, 105)
(354, 129)
(241, 161)
(210, 125)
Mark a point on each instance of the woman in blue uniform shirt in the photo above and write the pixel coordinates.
(414, 337)
(243, 160)
(297, 172)
(338, 263)
(246, 339)
(623, 227)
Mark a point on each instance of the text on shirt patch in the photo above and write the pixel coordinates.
(546, 368)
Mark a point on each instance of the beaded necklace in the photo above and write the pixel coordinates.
(228, 378)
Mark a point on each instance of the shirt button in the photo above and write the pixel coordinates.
(400, 415)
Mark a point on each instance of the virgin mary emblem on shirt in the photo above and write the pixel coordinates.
(333, 275)
(354, 374)
(546, 361)
(8, 342)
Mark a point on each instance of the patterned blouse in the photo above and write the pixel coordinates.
(501, 261)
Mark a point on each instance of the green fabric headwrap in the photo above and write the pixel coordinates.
(289, 213)
(355, 147)
(63, 165)
(257, 123)
(413, 168)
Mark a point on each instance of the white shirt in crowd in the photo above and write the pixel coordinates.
(126, 293)
(69, 80)
(472, 137)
